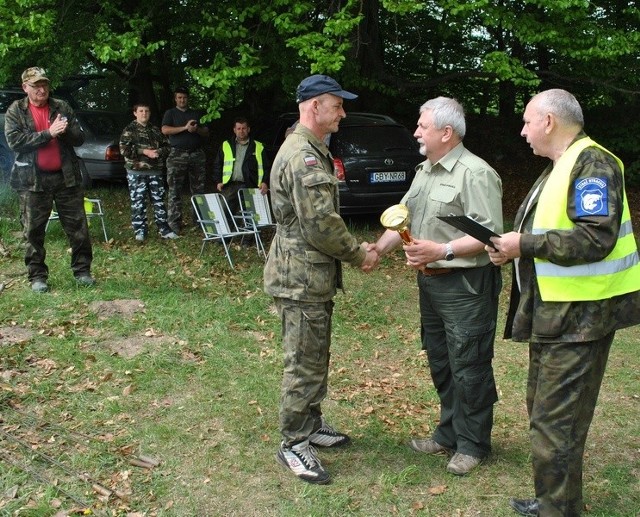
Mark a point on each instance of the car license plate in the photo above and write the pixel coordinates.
(388, 177)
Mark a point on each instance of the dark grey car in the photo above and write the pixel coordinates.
(374, 159)
(7, 96)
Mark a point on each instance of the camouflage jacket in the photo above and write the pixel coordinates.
(592, 239)
(134, 139)
(311, 238)
(24, 140)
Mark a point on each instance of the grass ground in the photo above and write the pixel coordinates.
(176, 357)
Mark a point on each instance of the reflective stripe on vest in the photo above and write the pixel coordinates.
(616, 274)
(227, 165)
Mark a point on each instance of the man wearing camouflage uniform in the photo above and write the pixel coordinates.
(42, 131)
(144, 149)
(303, 272)
(187, 158)
(576, 280)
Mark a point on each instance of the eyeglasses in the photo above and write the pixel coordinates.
(38, 86)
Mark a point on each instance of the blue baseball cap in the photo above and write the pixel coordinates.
(315, 85)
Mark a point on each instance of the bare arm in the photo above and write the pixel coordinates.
(387, 242)
(422, 252)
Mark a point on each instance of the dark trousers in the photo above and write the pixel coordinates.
(230, 193)
(306, 339)
(36, 208)
(458, 313)
(562, 391)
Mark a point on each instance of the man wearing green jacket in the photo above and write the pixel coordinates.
(303, 272)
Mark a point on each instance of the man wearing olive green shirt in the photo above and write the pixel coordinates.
(458, 285)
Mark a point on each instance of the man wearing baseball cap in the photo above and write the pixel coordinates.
(42, 132)
(303, 272)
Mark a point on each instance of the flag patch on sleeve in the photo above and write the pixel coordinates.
(310, 160)
(591, 196)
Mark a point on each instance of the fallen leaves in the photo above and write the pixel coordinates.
(14, 335)
(437, 490)
(385, 391)
(127, 390)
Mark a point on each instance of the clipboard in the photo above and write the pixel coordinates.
(470, 227)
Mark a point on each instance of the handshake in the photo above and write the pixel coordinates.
(372, 258)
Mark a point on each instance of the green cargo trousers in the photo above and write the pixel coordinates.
(306, 339)
(458, 313)
(562, 391)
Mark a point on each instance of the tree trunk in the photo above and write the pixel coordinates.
(367, 47)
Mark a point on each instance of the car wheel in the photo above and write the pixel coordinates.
(87, 182)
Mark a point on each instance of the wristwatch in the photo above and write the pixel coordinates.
(448, 253)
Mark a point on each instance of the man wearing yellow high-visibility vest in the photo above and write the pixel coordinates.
(240, 163)
(576, 280)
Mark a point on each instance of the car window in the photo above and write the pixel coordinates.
(363, 140)
(103, 124)
(7, 97)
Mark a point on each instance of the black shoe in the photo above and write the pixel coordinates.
(303, 462)
(525, 506)
(39, 286)
(86, 280)
(327, 436)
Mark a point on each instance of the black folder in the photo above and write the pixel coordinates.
(470, 227)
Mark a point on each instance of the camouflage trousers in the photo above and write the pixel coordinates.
(141, 185)
(35, 209)
(182, 164)
(306, 339)
(458, 314)
(562, 391)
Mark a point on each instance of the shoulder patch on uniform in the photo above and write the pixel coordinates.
(310, 160)
(591, 196)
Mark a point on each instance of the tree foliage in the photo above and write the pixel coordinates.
(231, 49)
(490, 54)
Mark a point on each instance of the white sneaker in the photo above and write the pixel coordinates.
(140, 237)
(170, 235)
(301, 459)
(327, 436)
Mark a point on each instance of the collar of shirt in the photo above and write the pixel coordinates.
(313, 139)
(448, 161)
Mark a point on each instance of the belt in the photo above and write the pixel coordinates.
(427, 271)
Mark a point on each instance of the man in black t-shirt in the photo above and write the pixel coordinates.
(187, 158)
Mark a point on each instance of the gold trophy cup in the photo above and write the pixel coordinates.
(396, 217)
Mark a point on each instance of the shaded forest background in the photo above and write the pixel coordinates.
(247, 56)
